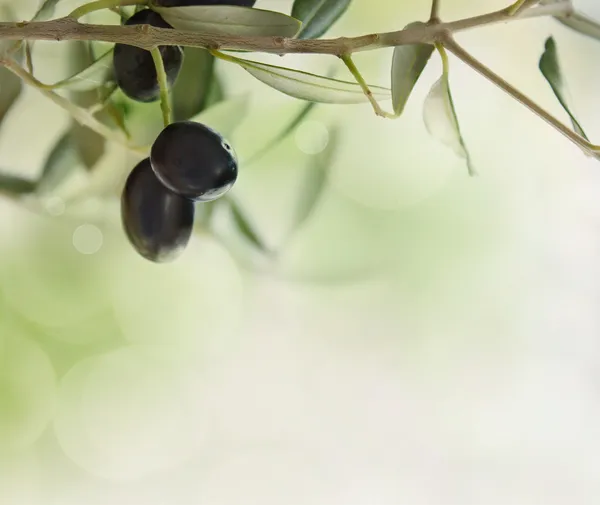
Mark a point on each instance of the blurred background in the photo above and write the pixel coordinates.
(424, 338)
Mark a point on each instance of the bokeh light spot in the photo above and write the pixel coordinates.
(87, 239)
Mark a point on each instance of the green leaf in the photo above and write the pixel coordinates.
(307, 86)
(14, 185)
(225, 116)
(441, 121)
(230, 20)
(193, 84)
(60, 164)
(550, 68)
(317, 16)
(244, 227)
(315, 181)
(91, 77)
(408, 63)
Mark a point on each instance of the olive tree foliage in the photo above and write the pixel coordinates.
(212, 35)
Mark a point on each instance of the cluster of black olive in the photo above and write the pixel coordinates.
(189, 162)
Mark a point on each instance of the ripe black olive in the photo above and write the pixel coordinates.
(157, 222)
(194, 161)
(134, 68)
(184, 3)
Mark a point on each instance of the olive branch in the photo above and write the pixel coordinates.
(226, 29)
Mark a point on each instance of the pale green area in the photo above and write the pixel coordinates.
(425, 337)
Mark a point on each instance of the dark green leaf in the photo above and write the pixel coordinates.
(407, 65)
(61, 162)
(193, 84)
(13, 185)
(244, 226)
(441, 121)
(550, 67)
(317, 15)
(315, 181)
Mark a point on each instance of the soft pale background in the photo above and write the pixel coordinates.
(425, 339)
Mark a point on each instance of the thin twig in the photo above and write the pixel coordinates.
(479, 67)
(435, 11)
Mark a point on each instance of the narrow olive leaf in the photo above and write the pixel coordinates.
(317, 16)
(230, 20)
(14, 185)
(408, 63)
(550, 67)
(315, 182)
(91, 77)
(224, 116)
(441, 121)
(59, 165)
(244, 227)
(307, 86)
(193, 84)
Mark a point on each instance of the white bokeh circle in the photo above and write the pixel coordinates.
(87, 239)
(312, 137)
(130, 413)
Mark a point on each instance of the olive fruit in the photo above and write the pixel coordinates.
(185, 3)
(157, 222)
(194, 161)
(134, 68)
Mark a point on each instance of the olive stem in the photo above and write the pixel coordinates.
(81, 115)
(103, 4)
(161, 75)
(450, 44)
(347, 59)
(68, 28)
